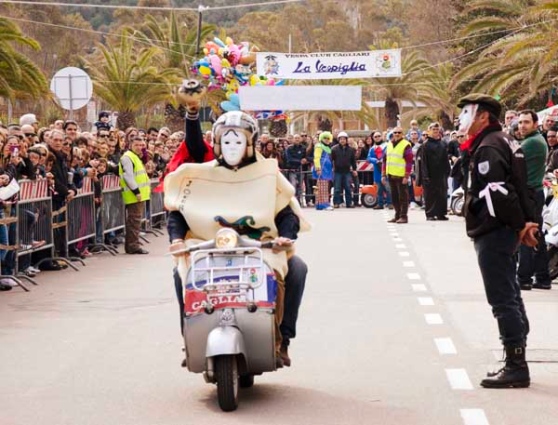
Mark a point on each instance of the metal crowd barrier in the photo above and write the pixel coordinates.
(81, 216)
(32, 223)
(113, 212)
(157, 213)
(10, 250)
(34, 230)
(154, 210)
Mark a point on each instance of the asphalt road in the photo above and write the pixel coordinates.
(394, 329)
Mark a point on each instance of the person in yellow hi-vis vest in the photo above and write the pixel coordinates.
(396, 169)
(135, 192)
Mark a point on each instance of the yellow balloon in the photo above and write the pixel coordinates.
(254, 80)
(228, 41)
(225, 63)
(205, 70)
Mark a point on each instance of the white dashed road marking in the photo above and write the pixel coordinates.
(401, 246)
(404, 254)
(413, 276)
(433, 319)
(474, 417)
(445, 346)
(425, 301)
(419, 287)
(458, 379)
(408, 264)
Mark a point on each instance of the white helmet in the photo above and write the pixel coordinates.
(343, 134)
(239, 120)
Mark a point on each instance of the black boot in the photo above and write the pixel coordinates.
(515, 373)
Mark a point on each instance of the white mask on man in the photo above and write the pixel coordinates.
(466, 118)
(233, 146)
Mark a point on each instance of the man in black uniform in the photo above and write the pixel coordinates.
(433, 174)
(499, 217)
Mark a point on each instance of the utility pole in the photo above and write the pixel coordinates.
(200, 10)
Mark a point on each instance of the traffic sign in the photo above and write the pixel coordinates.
(72, 87)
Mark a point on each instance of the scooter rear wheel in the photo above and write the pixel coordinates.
(553, 262)
(226, 376)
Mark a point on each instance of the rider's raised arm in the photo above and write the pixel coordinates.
(197, 147)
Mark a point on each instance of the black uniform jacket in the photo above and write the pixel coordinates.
(495, 159)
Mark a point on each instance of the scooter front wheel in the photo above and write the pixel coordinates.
(226, 376)
(368, 200)
(457, 206)
(553, 262)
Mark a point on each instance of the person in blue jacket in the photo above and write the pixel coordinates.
(375, 157)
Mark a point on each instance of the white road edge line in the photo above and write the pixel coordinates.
(445, 346)
(474, 417)
(425, 301)
(458, 379)
(433, 319)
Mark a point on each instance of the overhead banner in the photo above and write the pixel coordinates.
(322, 66)
(300, 98)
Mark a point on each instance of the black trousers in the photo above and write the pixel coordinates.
(495, 253)
(399, 196)
(436, 198)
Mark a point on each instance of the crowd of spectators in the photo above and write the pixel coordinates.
(62, 155)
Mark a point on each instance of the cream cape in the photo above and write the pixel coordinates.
(210, 197)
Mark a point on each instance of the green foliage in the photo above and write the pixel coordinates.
(127, 77)
(19, 76)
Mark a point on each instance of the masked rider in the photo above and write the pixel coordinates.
(242, 190)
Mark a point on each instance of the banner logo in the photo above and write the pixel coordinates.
(334, 65)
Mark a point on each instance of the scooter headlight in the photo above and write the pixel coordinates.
(226, 238)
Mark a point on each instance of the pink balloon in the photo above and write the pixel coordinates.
(216, 64)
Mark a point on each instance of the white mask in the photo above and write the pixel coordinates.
(233, 146)
(466, 118)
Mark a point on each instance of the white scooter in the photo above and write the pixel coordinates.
(229, 325)
(550, 224)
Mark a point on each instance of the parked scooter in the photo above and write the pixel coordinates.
(457, 201)
(229, 331)
(550, 223)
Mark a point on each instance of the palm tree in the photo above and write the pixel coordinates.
(19, 76)
(178, 44)
(416, 71)
(125, 76)
(518, 63)
(434, 92)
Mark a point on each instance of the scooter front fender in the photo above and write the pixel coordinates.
(225, 340)
(551, 237)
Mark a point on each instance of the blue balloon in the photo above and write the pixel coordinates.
(228, 106)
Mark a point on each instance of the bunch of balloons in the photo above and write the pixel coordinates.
(227, 66)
